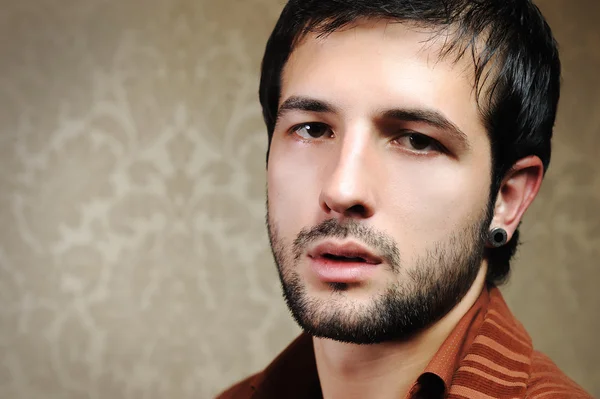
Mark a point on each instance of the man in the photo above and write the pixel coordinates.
(406, 140)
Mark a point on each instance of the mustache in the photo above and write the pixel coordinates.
(381, 243)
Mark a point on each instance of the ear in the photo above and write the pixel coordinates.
(517, 191)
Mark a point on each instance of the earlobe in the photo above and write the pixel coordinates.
(519, 188)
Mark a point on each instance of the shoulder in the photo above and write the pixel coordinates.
(548, 381)
(292, 373)
(241, 390)
(540, 377)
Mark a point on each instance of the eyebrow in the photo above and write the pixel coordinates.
(306, 104)
(426, 116)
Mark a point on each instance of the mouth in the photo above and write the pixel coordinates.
(344, 253)
(344, 258)
(343, 263)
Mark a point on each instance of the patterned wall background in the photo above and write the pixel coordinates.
(133, 256)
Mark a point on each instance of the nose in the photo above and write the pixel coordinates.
(349, 189)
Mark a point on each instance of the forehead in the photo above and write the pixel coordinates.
(377, 65)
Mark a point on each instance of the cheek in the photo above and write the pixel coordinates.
(293, 188)
(434, 200)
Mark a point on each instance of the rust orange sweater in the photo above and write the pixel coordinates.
(488, 355)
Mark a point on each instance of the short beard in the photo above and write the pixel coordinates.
(421, 296)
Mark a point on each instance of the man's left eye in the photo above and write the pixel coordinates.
(419, 143)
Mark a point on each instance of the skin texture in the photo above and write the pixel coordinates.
(357, 164)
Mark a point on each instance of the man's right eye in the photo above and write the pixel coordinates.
(312, 130)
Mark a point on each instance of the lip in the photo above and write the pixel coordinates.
(331, 270)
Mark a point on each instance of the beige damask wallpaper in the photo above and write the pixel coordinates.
(133, 257)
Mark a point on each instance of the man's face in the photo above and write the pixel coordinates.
(378, 183)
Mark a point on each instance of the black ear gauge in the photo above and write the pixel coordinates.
(498, 237)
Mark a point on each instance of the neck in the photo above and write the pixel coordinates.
(386, 370)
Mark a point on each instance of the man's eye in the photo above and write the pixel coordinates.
(313, 130)
(419, 143)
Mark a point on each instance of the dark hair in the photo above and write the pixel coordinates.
(515, 58)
